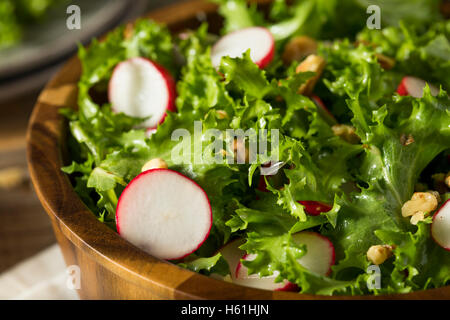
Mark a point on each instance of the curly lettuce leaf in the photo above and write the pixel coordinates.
(418, 52)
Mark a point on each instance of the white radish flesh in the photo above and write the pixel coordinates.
(413, 87)
(242, 277)
(164, 213)
(141, 88)
(258, 39)
(440, 228)
(320, 252)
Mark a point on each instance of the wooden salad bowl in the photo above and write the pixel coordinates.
(111, 267)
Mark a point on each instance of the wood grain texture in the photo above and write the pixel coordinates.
(112, 268)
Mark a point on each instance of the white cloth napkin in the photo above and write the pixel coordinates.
(41, 277)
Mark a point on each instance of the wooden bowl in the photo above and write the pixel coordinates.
(111, 267)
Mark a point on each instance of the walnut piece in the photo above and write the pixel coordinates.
(420, 202)
(221, 114)
(156, 163)
(240, 151)
(385, 62)
(406, 140)
(298, 48)
(346, 132)
(312, 63)
(379, 253)
(418, 216)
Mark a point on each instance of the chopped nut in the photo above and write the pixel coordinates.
(221, 114)
(436, 194)
(11, 177)
(406, 139)
(445, 9)
(385, 62)
(156, 163)
(420, 202)
(418, 216)
(240, 151)
(346, 132)
(312, 63)
(379, 253)
(364, 43)
(298, 48)
(128, 31)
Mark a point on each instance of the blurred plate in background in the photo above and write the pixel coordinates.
(28, 65)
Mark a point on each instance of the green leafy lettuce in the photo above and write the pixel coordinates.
(365, 183)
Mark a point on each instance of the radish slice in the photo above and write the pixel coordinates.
(315, 208)
(320, 254)
(164, 213)
(232, 254)
(141, 88)
(413, 87)
(242, 277)
(323, 111)
(258, 39)
(319, 258)
(440, 228)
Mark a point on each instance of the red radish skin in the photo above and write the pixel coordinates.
(156, 73)
(440, 228)
(258, 39)
(401, 90)
(289, 287)
(329, 117)
(171, 85)
(315, 208)
(412, 86)
(262, 184)
(121, 210)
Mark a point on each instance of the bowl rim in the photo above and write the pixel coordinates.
(45, 140)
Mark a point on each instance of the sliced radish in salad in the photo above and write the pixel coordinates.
(440, 228)
(258, 39)
(315, 208)
(141, 88)
(242, 277)
(319, 258)
(412, 86)
(323, 111)
(152, 214)
(232, 254)
(320, 254)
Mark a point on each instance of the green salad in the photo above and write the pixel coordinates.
(363, 141)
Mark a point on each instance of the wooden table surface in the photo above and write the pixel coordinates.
(24, 226)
